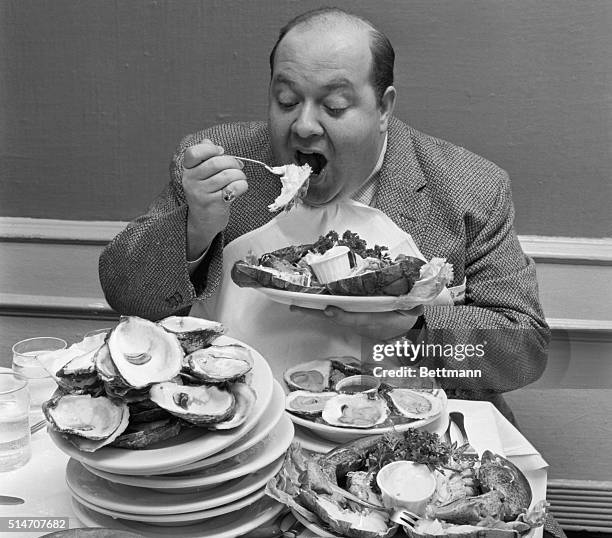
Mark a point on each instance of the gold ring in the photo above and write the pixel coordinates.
(228, 196)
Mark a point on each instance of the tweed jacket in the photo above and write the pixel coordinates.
(455, 204)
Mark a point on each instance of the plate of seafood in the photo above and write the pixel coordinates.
(147, 397)
(340, 270)
(333, 399)
(357, 490)
(314, 443)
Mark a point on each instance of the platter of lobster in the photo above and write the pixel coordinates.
(342, 270)
(362, 490)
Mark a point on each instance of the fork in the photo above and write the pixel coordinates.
(405, 518)
(38, 426)
(402, 516)
(266, 166)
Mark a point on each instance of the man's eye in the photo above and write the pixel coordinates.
(335, 111)
(287, 105)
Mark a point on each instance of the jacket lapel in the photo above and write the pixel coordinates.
(402, 188)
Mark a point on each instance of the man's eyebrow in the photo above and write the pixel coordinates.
(338, 84)
(282, 79)
(334, 84)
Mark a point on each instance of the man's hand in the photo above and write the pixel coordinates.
(375, 325)
(211, 181)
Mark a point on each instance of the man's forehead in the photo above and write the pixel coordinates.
(341, 54)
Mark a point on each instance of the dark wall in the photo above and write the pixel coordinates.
(95, 94)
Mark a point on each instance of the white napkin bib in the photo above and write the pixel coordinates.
(287, 338)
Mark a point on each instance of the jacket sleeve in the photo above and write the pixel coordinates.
(502, 312)
(143, 270)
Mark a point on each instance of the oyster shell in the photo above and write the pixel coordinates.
(82, 365)
(143, 352)
(193, 333)
(93, 418)
(73, 369)
(146, 411)
(219, 364)
(347, 364)
(312, 376)
(306, 403)
(142, 435)
(355, 411)
(411, 403)
(245, 398)
(197, 404)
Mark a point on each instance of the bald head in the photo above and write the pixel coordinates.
(382, 54)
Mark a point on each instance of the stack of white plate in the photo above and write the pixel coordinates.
(210, 483)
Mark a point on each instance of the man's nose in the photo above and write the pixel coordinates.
(307, 123)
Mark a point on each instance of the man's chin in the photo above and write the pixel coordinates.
(319, 192)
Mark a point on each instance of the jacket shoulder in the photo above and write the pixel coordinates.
(454, 170)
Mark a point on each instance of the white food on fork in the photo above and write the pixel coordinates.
(294, 185)
(294, 180)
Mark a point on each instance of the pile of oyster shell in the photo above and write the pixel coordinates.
(313, 396)
(143, 382)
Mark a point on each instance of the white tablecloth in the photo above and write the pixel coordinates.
(41, 482)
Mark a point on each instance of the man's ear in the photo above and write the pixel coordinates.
(387, 104)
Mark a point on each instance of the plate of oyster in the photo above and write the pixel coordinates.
(342, 271)
(336, 494)
(314, 402)
(147, 396)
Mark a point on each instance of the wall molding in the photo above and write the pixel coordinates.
(17, 304)
(541, 248)
(23, 229)
(51, 306)
(24, 237)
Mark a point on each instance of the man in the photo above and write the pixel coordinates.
(331, 101)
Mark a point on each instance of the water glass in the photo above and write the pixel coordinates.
(15, 448)
(41, 384)
(95, 332)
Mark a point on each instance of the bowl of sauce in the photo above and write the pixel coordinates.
(333, 265)
(355, 384)
(405, 484)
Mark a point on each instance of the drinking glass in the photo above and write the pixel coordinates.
(15, 448)
(95, 332)
(25, 362)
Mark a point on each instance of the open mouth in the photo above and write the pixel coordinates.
(317, 161)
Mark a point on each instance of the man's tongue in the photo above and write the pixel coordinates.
(316, 161)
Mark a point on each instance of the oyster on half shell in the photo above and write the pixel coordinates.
(193, 333)
(312, 376)
(355, 411)
(245, 398)
(87, 422)
(411, 403)
(219, 364)
(143, 352)
(307, 404)
(197, 404)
